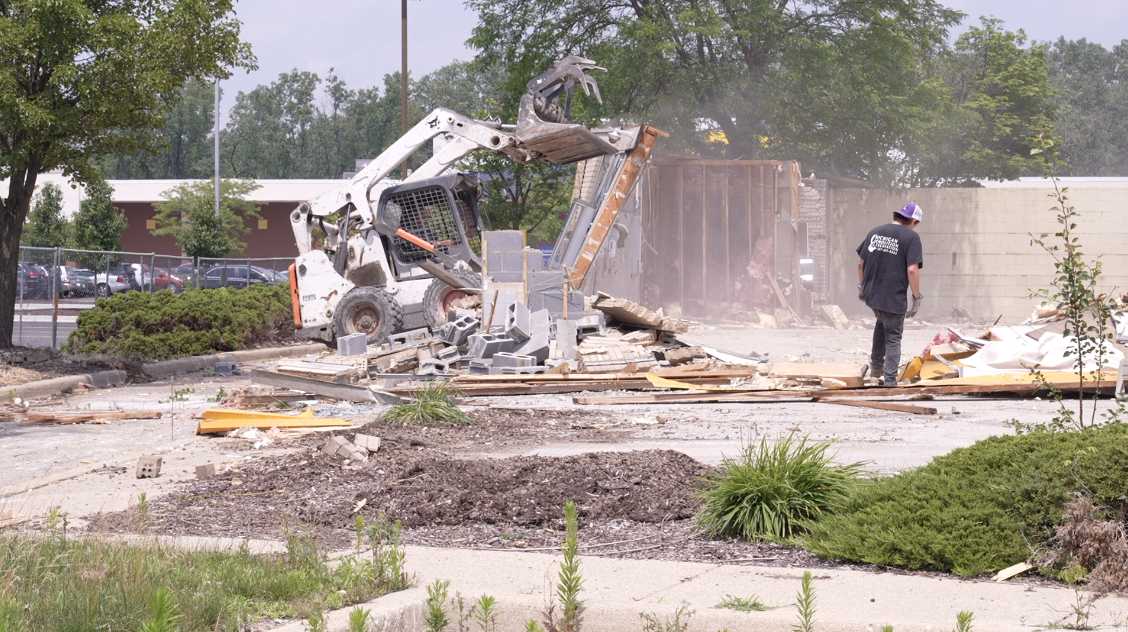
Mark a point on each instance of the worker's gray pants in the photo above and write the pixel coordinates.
(885, 358)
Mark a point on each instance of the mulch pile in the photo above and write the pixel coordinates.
(423, 486)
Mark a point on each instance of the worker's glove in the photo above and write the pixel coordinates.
(914, 305)
(861, 293)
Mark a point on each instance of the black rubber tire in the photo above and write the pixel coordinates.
(368, 310)
(103, 290)
(437, 298)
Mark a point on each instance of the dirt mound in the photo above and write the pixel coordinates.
(424, 487)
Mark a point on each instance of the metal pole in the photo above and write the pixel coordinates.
(55, 294)
(403, 81)
(216, 116)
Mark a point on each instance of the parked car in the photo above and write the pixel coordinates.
(121, 278)
(163, 280)
(187, 273)
(237, 276)
(35, 282)
(70, 283)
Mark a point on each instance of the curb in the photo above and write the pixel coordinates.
(199, 363)
(55, 386)
(105, 379)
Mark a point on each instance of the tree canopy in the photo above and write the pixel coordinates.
(188, 215)
(46, 226)
(81, 79)
(1091, 94)
(98, 224)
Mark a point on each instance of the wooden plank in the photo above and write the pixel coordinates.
(66, 417)
(893, 406)
(849, 373)
(320, 387)
(605, 218)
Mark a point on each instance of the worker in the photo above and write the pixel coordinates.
(889, 263)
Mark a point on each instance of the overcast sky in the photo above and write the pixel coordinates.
(361, 38)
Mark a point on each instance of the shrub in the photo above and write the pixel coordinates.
(163, 325)
(977, 509)
(773, 488)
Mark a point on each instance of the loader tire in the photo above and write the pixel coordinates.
(439, 296)
(370, 311)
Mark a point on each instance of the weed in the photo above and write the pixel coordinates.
(485, 613)
(1092, 546)
(773, 488)
(209, 373)
(316, 622)
(142, 511)
(886, 628)
(533, 626)
(358, 525)
(358, 619)
(177, 394)
(963, 621)
(56, 523)
(740, 604)
(219, 395)
(432, 405)
(805, 605)
(162, 613)
(436, 620)
(1082, 608)
(680, 622)
(388, 555)
(569, 581)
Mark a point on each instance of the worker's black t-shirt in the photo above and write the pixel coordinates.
(888, 251)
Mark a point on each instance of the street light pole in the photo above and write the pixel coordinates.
(216, 115)
(403, 80)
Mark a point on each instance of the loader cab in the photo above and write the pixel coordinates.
(442, 211)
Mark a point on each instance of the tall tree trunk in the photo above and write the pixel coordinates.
(13, 213)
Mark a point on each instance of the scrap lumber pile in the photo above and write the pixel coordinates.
(65, 418)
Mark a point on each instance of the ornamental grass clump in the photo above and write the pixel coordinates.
(432, 405)
(773, 488)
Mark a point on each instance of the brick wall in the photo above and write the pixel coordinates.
(813, 211)
(977, 245)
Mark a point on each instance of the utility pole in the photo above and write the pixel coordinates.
(403, 80)
(216, 116)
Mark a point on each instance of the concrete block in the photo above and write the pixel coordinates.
(564, 333)
(352, 453)
(540, 323)
(537, 347)
(352, 345)
(504, 300)
(534, 260)
(685, 355)
(503, 240)
(408, 339)
(507, 277)
(447, 354)
(546, 280)
(334, 445)
(517, 325)
(505, 261)
(485, 345)
(226, 369)
(456, 332)
(205, 471)
(367, 442)
(552, 301)
(501, 360)
(481, 366)
(523, 370)
(149, 467)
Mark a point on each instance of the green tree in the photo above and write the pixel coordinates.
(47, 228)
(185, 142)
(688, 64)
(188, 215)
(82, 79)
(1091, 95)
(98, 225)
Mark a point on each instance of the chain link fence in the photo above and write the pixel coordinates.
(54, 285)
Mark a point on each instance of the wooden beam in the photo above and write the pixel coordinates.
(893, 406)
(605, 218)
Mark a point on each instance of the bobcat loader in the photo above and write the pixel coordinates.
(375, 248)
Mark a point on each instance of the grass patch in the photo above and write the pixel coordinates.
(740, 604)
(977, 509)
(53, 584)
(773, 488)
(432, 405)
(163, 325)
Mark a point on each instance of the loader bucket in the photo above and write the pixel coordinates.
(561, 143)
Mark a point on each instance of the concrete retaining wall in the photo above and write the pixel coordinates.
(977, 243)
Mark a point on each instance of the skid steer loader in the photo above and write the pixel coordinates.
(375, 250)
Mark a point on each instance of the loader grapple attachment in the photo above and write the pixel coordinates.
(543, 123)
